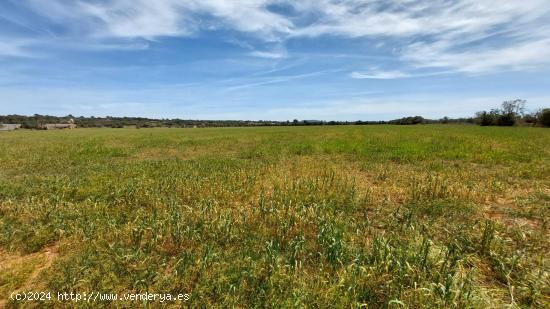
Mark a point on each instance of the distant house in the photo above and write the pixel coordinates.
(9, 126)
(60, 126)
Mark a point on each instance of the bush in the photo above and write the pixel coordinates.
(530, 119)
(505, 116)
(408, 120)
(543, 117)
(486, 119)
(506, 120)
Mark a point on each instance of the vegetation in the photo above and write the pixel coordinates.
(321, 216)
(37, 121)
(543, 117)
(409, 120)
(513, 113)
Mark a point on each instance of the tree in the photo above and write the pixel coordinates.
(408, 120)
(511, 110)
(514, 107)
(506, 116)
(506, 120)
(543, 117)
(487, 118)
(530, 119)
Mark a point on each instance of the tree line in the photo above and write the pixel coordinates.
(38, 121)
(510, 113)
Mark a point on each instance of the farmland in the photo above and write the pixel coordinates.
(389, 216)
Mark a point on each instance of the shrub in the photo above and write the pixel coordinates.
(408, 120)
(506, 116)
(543, 117)
(530, 119)
(486, 119)
(506, 120)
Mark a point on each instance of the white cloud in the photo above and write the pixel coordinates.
(272, 80)
(269, 54)
(139, 18)
(245, 15)
(454, 35)
(520, 56)
(379, 75)
(451, 35)
(405, 18)
(151, 19)
(15, 48)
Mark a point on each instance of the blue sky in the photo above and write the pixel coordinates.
(272, 59)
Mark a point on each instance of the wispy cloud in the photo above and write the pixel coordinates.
(138, 18)
(272, 80)
(393, 74)
(269, 54)
(152, 19)
(527, 55)
(16, 48)
(444, 35)
(379, 75)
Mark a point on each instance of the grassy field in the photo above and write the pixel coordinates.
(348, 216)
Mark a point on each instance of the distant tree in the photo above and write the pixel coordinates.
(514, 107)
(506, 120)
(543, 117)
(486, 118)
(509, 113)
(530, 119)
(408, 120)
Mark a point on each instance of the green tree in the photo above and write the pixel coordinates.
(543, 117)
(485, 119)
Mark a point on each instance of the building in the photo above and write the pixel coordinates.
(9, 126)
(60, 126)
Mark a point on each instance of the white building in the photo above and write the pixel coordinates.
(9, 126)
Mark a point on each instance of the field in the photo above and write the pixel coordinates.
(344, 216)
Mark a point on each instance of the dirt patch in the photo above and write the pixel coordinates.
(502, 210)
(20, 272)
(49, 254)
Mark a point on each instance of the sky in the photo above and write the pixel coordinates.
(272, 59)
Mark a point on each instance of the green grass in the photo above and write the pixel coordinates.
(387, 216)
